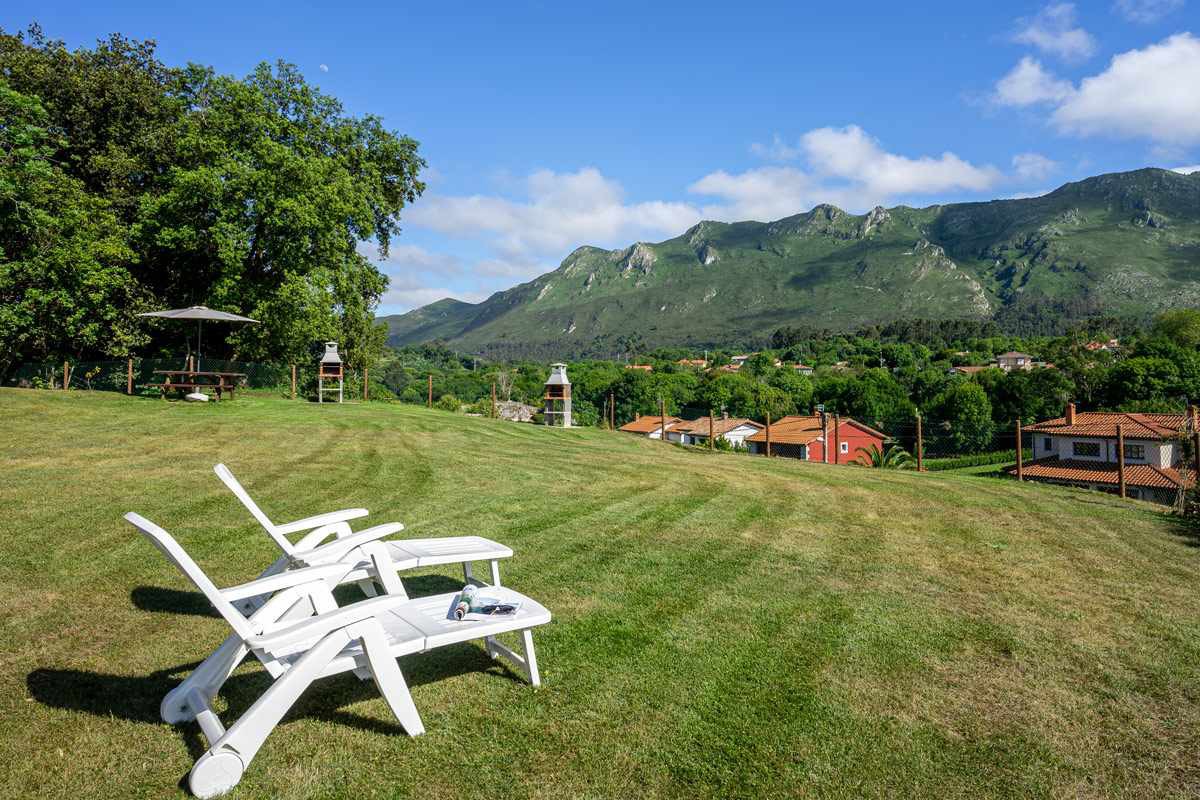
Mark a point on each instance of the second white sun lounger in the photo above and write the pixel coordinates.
(300, 635)
(313, 549)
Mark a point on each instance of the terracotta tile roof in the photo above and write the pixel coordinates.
(1015, 354)
(721, 426)
(971, 370)
(730, 367)
(648, 424)
(1104, 424)
(796, 429)
(692, 362)
(642, 367)
(1099, 472)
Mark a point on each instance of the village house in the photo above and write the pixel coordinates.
(693, 362)
(735, 431)
(642, 367)
(1080, 449)
(1109, 346)
(805, 438)
(1014, 359)
(803, 369)
(651, 426)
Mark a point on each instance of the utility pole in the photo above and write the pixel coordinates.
(920, 446)
(711, 443)
(662, 420)
(1120, 460)
(768, 435)
(1020, 462)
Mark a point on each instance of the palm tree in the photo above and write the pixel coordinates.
(896, 457)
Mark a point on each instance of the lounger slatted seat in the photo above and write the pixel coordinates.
(301, 635)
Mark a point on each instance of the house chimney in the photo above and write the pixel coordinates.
(1070, 415)
(724, 414)
(637, 415)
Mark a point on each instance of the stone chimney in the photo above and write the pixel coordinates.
(1070, 415)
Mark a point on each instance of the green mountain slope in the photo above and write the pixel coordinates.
(1125, 243)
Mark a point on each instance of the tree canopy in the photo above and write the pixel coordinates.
(127, 184)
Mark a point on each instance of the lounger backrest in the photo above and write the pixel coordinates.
(227, 478)
(179, 557)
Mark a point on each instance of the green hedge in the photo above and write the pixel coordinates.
(977, 460)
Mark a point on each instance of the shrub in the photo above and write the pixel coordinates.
(448, 402)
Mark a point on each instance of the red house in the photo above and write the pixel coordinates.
(818, 438)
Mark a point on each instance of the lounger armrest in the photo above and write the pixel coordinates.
(322, 624)
(284, 580)
(339, 548)
(308, 523)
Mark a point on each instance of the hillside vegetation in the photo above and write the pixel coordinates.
(724, 626)
(1124, 243)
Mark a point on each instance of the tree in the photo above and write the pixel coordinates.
(963, 415)
(1180, 325)
(177, 186)
(64, 286)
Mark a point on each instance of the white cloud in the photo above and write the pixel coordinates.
(1029, 83)
(1053, 31)
(1149, 93)
(1147, 10)
(401, 298)
(1033, 166)
(1186, 170)
(777, 150)
(324, 68)
(844, 166)
(560, 212)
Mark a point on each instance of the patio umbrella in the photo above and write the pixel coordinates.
(199, 313)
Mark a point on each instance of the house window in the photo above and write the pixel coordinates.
(1135, 452)
(1047, 444)
(1086, 449)
(845, 447)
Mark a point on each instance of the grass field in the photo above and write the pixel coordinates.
(724, 626)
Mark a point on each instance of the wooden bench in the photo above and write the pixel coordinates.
(181, 379)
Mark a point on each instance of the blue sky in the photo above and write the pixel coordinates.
(547, 126)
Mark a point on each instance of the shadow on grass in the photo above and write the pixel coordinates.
(1186, 528)
(137, 698)
(173, 601)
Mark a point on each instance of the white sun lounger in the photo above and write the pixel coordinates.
(301, 635)
(405, 554)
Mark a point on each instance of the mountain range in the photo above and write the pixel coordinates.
(1123, 244)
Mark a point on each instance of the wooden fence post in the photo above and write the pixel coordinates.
(920, 446)
(612, 411)
(1020, 460)
(711, 441)
(1120, 460)
(429, 397)
(493, 399)
(768, 435)
(837, 438)
(1196, 457)
(66, 376)
(129, 377)
(662, 419)
(365, 382)
(293, 381)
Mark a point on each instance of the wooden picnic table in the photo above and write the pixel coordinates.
(180, 379)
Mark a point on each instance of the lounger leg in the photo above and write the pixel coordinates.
(531, 666)
(206, 679)
(495, 572)
(388, 676)
(220, 769)
(467, 572)
(385, 569)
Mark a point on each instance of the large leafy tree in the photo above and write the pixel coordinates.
(963, 418)
(257, 195)
(63, 280)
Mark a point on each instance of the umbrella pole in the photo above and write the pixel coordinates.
(199, 328)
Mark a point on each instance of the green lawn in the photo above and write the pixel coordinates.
(724, 626)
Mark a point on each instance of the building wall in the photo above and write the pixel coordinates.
(1161, 454)
(850, 439)
(737, 436)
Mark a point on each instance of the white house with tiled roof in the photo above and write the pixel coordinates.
(735, 431)
(1080, 449)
